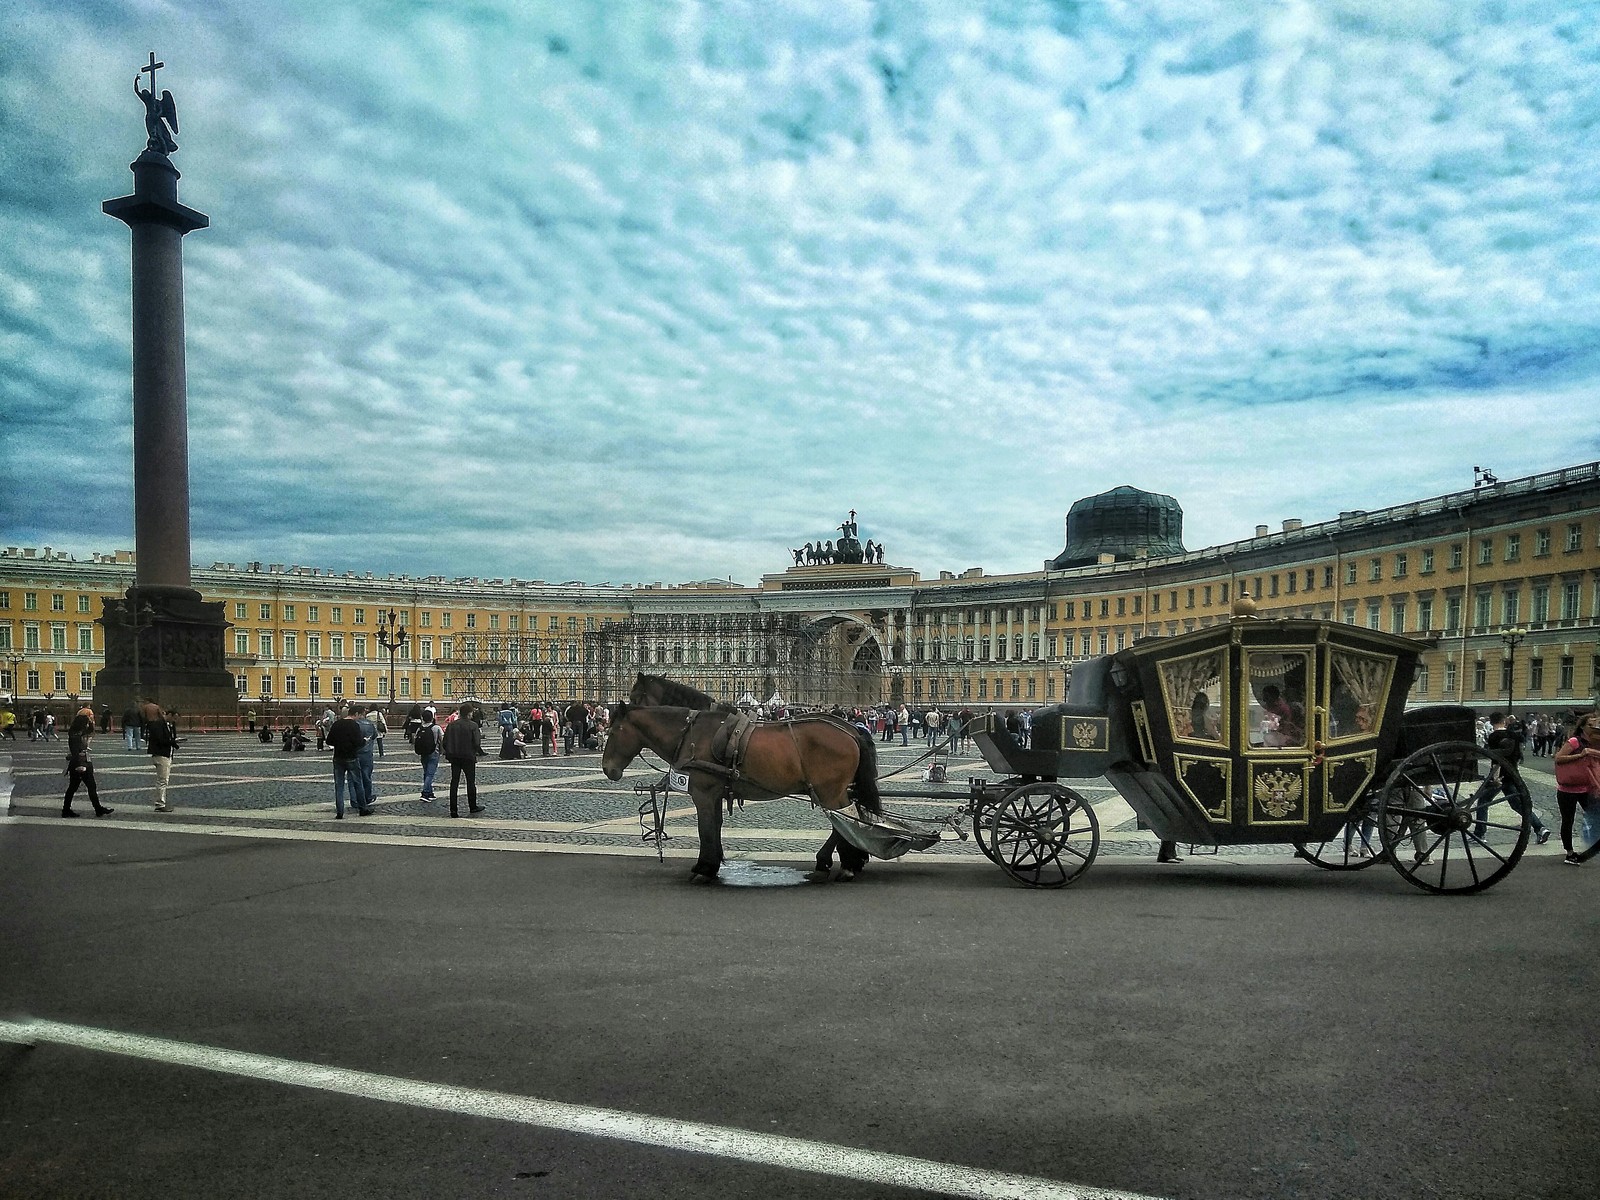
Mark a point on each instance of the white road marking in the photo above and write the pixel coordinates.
(765, 1149)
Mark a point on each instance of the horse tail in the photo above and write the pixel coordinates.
(865, 784)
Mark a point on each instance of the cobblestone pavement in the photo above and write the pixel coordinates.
(562, 803)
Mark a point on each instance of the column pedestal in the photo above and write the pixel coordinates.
(179, 644)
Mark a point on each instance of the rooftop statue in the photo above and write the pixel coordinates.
(158, 114)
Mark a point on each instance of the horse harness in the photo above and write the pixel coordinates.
(725, 753)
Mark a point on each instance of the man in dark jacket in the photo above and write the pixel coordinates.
(346, 739)
(463, 746)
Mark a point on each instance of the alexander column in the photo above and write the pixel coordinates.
(163, 642)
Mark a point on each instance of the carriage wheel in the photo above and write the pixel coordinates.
(1355, 847)
(984, 808)
(1451, 825)
(1045, 835)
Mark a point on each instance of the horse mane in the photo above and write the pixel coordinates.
(670, 693)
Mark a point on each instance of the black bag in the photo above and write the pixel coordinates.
(427, 741)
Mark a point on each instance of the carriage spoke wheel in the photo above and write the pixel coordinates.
(984, 808)
(1355, 847)
(1454, 818)
(1044, 835)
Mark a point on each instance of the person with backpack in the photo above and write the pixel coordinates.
(160, 740)
(463, 746)
(1578, 780)
(380, 724)
(1506, 744)
(426, 743)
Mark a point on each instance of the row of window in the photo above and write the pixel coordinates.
(32, 681)
(516, 649)
(33, 638)
(358, 616)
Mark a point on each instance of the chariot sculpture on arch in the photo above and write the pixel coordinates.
(160, 114)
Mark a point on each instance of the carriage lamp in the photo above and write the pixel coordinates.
(1512, 638)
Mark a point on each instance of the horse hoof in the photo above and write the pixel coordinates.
(819, 876)
(696, 877)
(844, 876)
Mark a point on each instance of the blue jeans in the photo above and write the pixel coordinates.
(430, 768)
(348, 770)
(366, 775)
(130, 736)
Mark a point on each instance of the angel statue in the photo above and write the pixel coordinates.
(158, 114)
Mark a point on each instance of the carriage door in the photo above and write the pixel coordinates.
(1194, 694)
(1277, 706)
(1360, 687)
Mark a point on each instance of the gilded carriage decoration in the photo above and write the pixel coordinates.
(1278, 795)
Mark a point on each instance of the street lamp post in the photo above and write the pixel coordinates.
(16, 661)
(391, 636)
(1512, 638)
(312, 663)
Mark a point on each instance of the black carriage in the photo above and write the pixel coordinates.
(1291, 732)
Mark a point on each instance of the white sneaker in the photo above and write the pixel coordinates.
(163, 808)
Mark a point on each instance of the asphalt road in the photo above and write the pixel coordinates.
(1213, 1029)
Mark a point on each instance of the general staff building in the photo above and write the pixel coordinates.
(1503, 581)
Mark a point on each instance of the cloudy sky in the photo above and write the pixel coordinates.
(652, 291)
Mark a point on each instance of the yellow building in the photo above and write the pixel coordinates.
(1504, 580)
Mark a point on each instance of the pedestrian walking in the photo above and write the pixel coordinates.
(1578, 780)
(369, 731)
(161, 739)
(1508, 746)
(380, 724)
(346, 739)
(463, 746)
(8, 724)
(80, 768)
(427, 743)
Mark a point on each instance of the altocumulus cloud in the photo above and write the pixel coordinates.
(631, 292)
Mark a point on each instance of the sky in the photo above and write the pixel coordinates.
(656, 291)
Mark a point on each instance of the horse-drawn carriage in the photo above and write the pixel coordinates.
(1290, 732)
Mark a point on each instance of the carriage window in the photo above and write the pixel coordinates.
(1192, 689)
(1360, 691)
(1277, 699)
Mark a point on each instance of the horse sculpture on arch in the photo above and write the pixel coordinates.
(726, 755)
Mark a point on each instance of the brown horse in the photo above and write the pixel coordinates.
(819, 757)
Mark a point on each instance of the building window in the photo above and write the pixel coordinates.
(313, 612)
(1205, 597)
(30, 637)
(1480, 677)
(238, 611)
(1511, 607)
(1374, 614)
(264, 645)
(361, 616)
(1455, 556)
(241, 642)
(336, 614)
(1272, 590)
(266, 612)
(1574, 537)
(58, 639)
(361, 685)
(1480, 610)
(30, 601)
(288, 612)
(1427, 561)
(314, 645)
(1101, 639)
(291, 644)
(361, 647)
(86, 681)
(1424, 615)
(266, 685)
(1397, 617)
(1327, 577)
(1513, 547)
(60, 680)
(1350, 613)
(290, 685)
(58, 602)
(338, 685)
(1541, 543)
(1485, 552)
(1401, 565)
(444, 620)
(405, 687)
(425, 620)
(1449, 679)
(1349, 573)
(83, 604)
(1536, 674)
(1564, 680)
(85, 639)
(472, 620)
(336, 645)
(1419, 684)
(5, 599)
(427, 686)
(1569, 601)
(1452, 614)
(1541, 604)
(241, 683)
(1375, 570)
